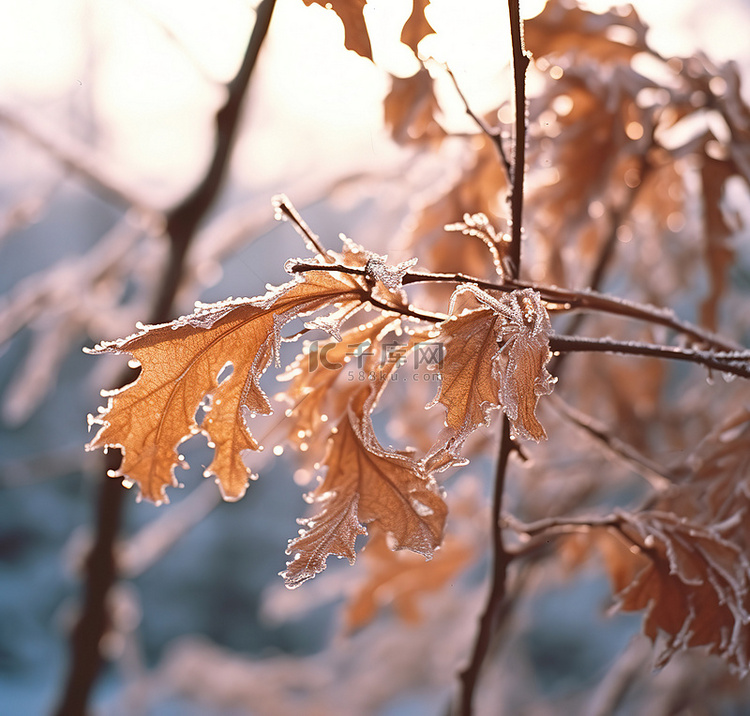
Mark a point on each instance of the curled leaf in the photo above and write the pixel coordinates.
(495, 357)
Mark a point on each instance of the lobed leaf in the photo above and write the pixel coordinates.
(495, 357)
(366, 484)
(693, 585)
(181, 363)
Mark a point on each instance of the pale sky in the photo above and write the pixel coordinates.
(150, 73)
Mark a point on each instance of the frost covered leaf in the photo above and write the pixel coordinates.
(366, 484)
(390, 276)
(351, 13)
(691, 581)
(313, 391)
(181, 363)
(495, 357)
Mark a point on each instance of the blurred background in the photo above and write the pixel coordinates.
(106, 121)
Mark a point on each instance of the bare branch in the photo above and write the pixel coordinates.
(493, 134)
(182, 222)
(285, 211)
(80, 160)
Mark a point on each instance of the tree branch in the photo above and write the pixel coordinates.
(493, 134)
(520, 63)
(488, 621)
(734, 362)
(182, 222)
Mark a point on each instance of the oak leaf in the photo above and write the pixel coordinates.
(181, 365)
(691, 580)
(416, 27)
(400, 579)
(315, 373)
(561, 29)
(495, 356)
(410, 109)
(366, 484)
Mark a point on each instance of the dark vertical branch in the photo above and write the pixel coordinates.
(497, 597)
(520, 63)
(100, 570)
(488, 621)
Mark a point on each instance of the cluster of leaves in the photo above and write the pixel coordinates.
(615, 153)
(494, 357)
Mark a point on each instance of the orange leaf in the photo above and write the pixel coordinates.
(314, 374)
(351, 13)
(693, 584)
(181, 363)
(366, 484)
(495, 357)
(417, 25)
(401, 578)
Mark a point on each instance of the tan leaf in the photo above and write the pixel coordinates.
(417, 26)
(316, 393)
(387, 489)
(561, 28)
(693, 584)
(477, 185)
(351, 13)
(718, 251)
(400, 579)
(495, 357)
(181, 363)
(410, 109)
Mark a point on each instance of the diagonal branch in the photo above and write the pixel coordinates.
(493, 134)
(182, 222)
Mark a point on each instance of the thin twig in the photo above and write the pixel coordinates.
(520, 64)
(80, 160)
(493, 134)
(285, 211)
(562, 298)
(659, 477)
(182, 222)
(733, 362)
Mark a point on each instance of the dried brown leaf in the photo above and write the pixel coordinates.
(416, 27)
(351, 13)
(495, 357)
(181, 363)
(315, 393)
(614, 36)
(693, 584)
(410, 109)
(365, 484)
(400, 579)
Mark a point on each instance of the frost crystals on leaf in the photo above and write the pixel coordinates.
(495, 356)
